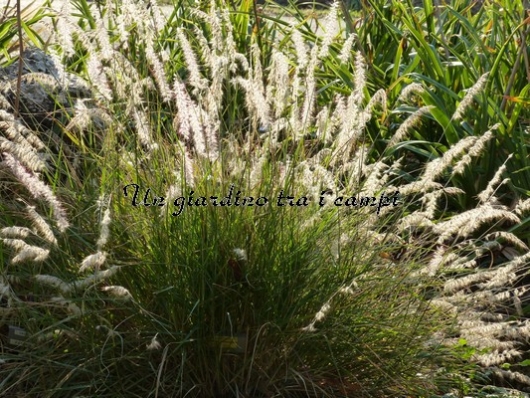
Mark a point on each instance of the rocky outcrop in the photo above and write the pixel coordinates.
(47, 92)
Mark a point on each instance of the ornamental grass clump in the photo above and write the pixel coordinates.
(228, 230)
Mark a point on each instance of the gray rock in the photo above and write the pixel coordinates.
(46, 90)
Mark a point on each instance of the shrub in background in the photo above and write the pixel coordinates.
(462, 60)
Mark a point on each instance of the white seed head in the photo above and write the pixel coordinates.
(117, 291)
(93, 261)
(154, 344)
(241, 254)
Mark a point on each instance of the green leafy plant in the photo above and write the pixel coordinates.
(9, 32)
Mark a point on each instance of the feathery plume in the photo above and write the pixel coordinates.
(241, 254)
(102, 37)
(420, 186)
(511, 376)
(96, 277)
(346, 48)
(410, 122)
(143, 128)
(300, 48)
(444, 306)
(498, 357)
(118, 291)
(407, 92)
(502, 276)
(64, 32)
(254, 100)
(348, 290)
(195, 78)
(105, 231)
(181, 122)
(26, 252)
(478, 147)
(453, 285)
(53, 281)
(415, 220)
(96, 73)
(154, 344)
(16, 131)
(468, 98)
(522, 207)
(23, 152)
(158, 71)
(15, 232)
(86, 118)
(465, 223)
(321, 314)
(331, 28)
(378, 98)
(376, 178)
(359, 80)
(487, 195)
(508, 237)
(93, 261)
(430, 199)
(41, 225)
(352, 118)
(123, 20)
(37, 188)
(188, 168)
(159, 20)
(17, 244)
(191, 122)
(518, 304)
(436, 167)
(204, 46)
(324, 127)
(31, 253)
